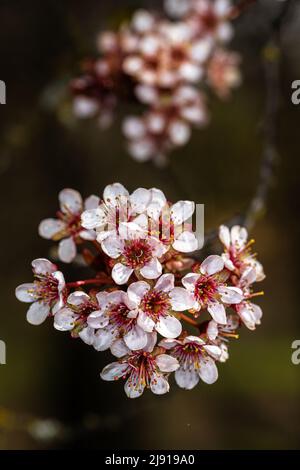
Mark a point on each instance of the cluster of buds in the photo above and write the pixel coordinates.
(150, 301)
(165, 63)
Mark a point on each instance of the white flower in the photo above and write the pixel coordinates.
(79, 306)
(209, 290)
(67, 226)
(46, 293)
(142, 369)
(196, 359)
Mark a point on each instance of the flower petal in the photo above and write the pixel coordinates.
(43, 266)
(64, 319)
(139, 200)
(49, 227)
(214, 351)
(113, 371)
(230, 295)
(103, 339)
(67, 250)
(136, 292)
(224, 235)
(212, 265)
(98, 319)
(218, 312)
(133, 390)
(208, 371)
(189, 281)
(165, 283)
(91, 202)
(167, 363)
(186, 242)
(145, 322)
(93, 218)
(239, 236)
(121, 273)
(169, 327)
(159, 385)
(37, 313)
(151, 270)
(70, 201)
(25, 292)
(136, 338)
(181, 299)
(113, 193)
(87, 335)
(181, 211)
(186, 378)
(119, 348)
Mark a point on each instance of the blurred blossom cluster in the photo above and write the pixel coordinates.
(150, 302)
(165, 63)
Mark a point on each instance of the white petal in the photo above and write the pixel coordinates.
(87, 234)
(248, 276)
(151, 270)
(121, 273)
(169, 327)
(67, 250)
(78, 298)
(145, 322)
(91, 202)
(132, 390)
(43, 266)
(179, 132)
(113, 193)
(25, 292)
(119, 348)
(239, 236)
(64, 320)
(158, 201)
(193, 339)
(93, 218)
(37, 313)
(103, 340)
(212, 330)
(189, 281)
(139, 200)
(168, 343)
(201, 49)
(165, 283)
(98, 319)
(113, 371)
(214, 351)
(208, 371)
(136, 292)
(136, 338)
(181, 299)
(218, 312)
(227, 262)
(230, 295)
(70, 201)
(49, 227)
(186, 242)
(151, 341)
(159, 385)
(212, 265)
(182, 211)
(142, 21)
(167, 363)
(87, 335)
(112, 246)
(134, 128)
(224, 235)
(186, 378)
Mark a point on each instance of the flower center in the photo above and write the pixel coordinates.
(118, 315)
(206, 289)
(46, 288)
(143, 368)
(137, 253)
(156, 304)
(188, 355)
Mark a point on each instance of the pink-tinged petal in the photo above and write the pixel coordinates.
(260, 275)
(139, 200)
(208, 371)
(167, 363)
(214, 351)
(181, 299)
(37, 313)
(190, 280)
(25, 292)
(193, 339)
(212, 265)
(159, 385)
(58, 275)
(113, 193)
(93, 218)
(182, 211)
(186, 242)
(250, 314)
(145, 322)
(133, 390)
(134, 128)
(102, 299)
(103, 339)
(186, 378)
(43, 266)
(115, 297)
(87, 235)
(70, 201)
(49, 227)
(136, 292)
(257, 312)
(201, 49)
(225, 354)
(248, 276)
(212, 330)
(169, 327)
(121, 273)
(78, 298)
(179, 132)
(168, 343)
(224, 235)
(239, 236)
(64, 320)
(227, 262)
(151, 270)
(217, 312)
(87, 335)
(151, 341)
(67, 250)
(91, 202)
(113, 371)
(98, 319)
(143, 21)
(136, 338)
(165, 283)
(112, 246)
(119, 348)
(230, 295)
(158, 201)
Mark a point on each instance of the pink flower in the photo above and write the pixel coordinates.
(209, 19)
(67, 227)
(209, 290)
(79, 306)
(196, 360)
(153, 307)
(46, 293)
(223, 73)
(238, 256)
(142, 369)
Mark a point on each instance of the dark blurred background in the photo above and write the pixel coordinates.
(255, 403)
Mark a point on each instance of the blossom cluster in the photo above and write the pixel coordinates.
(166, 64)
(151, 302)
